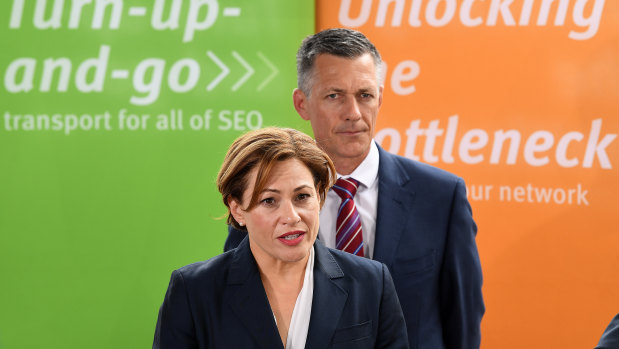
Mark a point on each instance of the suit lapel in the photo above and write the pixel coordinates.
(395, 204)
(329, 299)
(248, 299)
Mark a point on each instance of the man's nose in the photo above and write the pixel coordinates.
(351, 109)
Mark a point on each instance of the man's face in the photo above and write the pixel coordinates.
(342, 107)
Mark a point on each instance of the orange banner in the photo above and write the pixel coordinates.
(520, 98)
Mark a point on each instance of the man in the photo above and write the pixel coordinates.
(415, 218)
(610, 337)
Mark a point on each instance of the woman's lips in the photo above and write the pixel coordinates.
(292, 238)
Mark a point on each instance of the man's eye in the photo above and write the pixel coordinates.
(332, 96)
(366, 95)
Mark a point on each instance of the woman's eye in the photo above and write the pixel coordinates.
(268, 201)
(301, 197)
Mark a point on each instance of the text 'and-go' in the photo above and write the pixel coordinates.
(147, 78)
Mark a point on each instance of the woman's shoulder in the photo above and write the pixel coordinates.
(207, 269)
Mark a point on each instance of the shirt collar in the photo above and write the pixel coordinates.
(367, 172)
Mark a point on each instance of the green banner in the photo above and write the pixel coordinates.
(115, 117)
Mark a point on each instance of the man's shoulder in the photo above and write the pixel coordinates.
(390, 164)
(349, 264)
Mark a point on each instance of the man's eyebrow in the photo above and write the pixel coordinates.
(367, 89)
(334, 89)
(341, 90)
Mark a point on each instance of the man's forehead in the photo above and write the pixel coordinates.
(326, 60)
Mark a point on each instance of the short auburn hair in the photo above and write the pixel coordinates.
(261, 149)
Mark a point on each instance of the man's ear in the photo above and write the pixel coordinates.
(300, 103)
(236, 210)
(380, 95)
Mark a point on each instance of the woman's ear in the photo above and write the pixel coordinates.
(236, 210)
(321, 201)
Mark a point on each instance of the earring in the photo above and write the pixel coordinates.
(241, 224)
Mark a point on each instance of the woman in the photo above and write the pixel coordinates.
(280, 288)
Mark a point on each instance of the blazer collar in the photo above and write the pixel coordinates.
(395, 204)
(249, 302)
(248, 299)
(329, 298)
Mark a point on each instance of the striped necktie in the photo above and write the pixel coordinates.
(348, 236)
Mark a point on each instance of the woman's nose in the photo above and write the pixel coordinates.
(290, 214)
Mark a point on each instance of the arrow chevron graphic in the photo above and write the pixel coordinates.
(222, 75)
(271, 76)
(250, 71)
(225, 71)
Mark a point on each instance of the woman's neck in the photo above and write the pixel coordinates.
(282, 283)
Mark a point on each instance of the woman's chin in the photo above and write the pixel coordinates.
(292, 254)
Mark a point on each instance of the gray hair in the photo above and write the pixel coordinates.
(339, 42)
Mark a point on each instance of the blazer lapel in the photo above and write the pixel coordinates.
(329, 299)
(395, 204)
(248, 299)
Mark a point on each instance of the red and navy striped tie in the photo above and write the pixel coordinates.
(348, 236)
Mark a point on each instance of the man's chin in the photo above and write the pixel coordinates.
(353, 151)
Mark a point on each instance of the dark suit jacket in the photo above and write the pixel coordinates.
(610, 337)
(221, 303)
(425, 234)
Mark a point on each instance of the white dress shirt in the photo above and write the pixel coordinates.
(366, 201)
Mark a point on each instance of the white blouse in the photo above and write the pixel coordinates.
(299, 323)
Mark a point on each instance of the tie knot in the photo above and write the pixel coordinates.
(346, 187)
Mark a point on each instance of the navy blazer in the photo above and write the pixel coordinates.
(610, 337)
(221, 303)
(425, 234)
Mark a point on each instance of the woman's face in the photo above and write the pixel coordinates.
(284, 224)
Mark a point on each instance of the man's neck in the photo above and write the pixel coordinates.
(346, 166)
